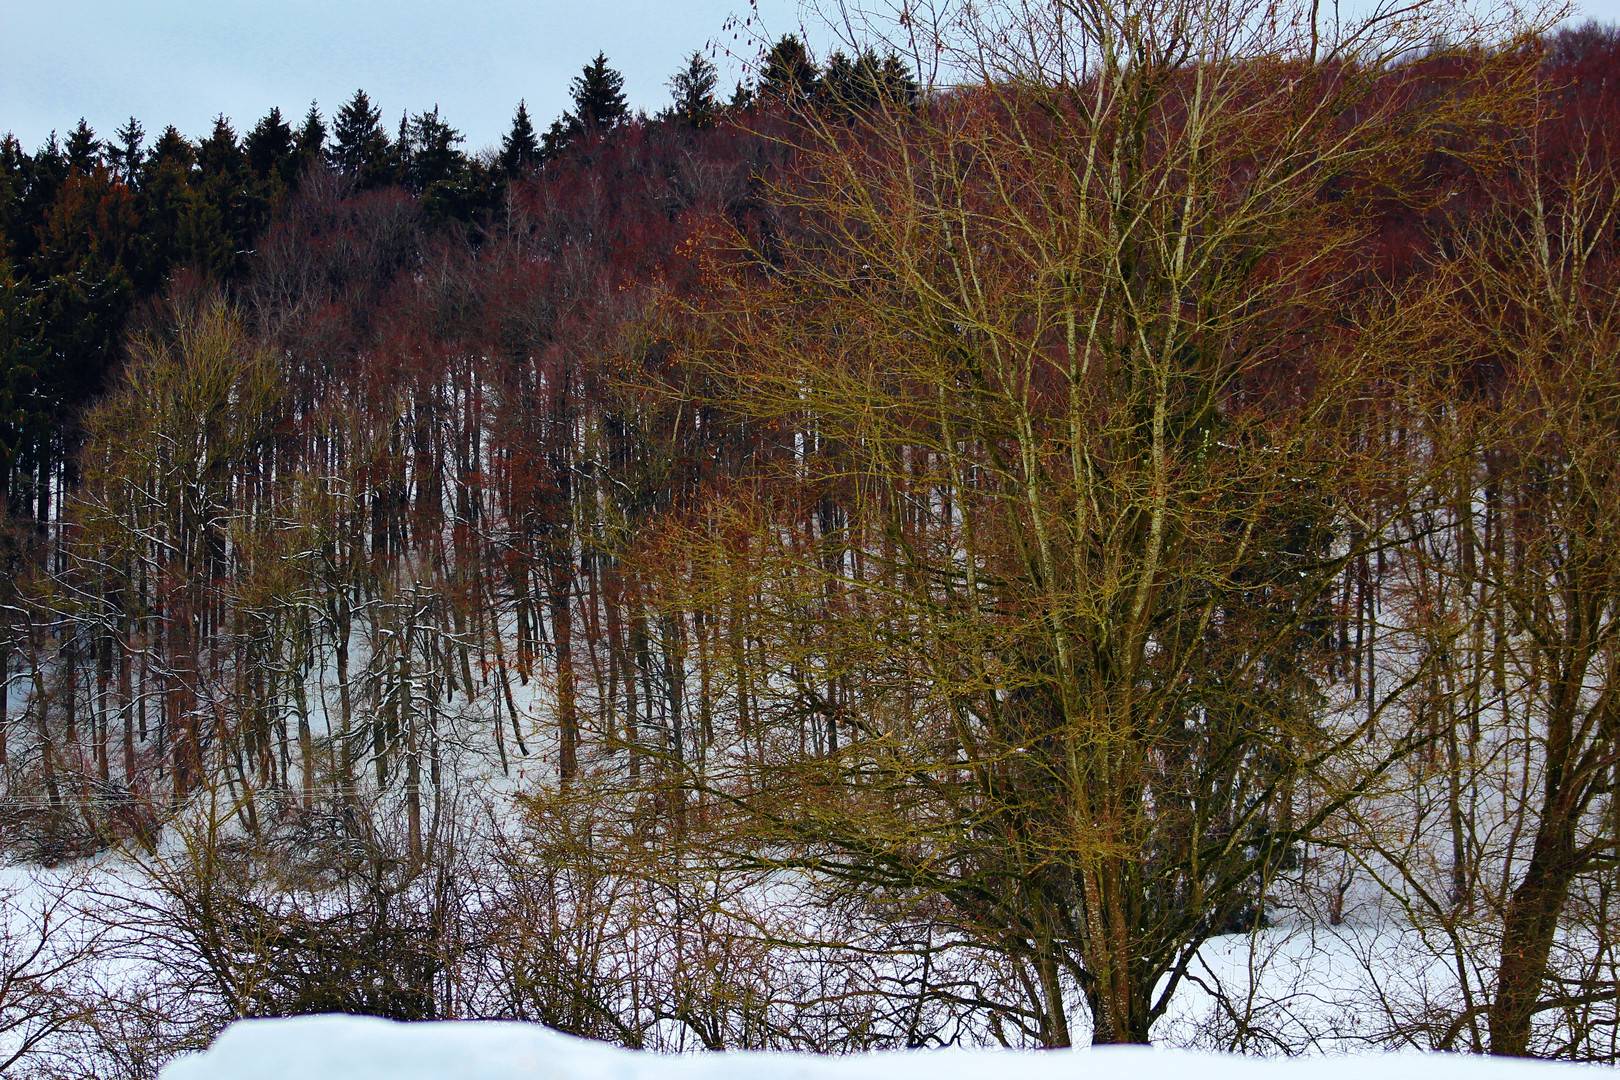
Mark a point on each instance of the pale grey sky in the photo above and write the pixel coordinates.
(182, 62)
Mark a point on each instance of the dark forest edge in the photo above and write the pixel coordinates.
(93, 228)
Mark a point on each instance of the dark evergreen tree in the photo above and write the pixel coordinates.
(88, 240)
(88, 230)
(220, 218)
(172, 150)
(25, 413)
(559, 136)
(599, 106)
(789, 74)
(219, 154)
(896, 82)
(83, 148)
(841, 85)
(850, 86)
(311, 139)
(269, 149)
(520, 149)
(271, 169)
(598, 94)
(164, 203)
(44, 174)
(693, 90)
(15, 168)
(360, 146)
(125, 154)
(431, 154)
(402, 148)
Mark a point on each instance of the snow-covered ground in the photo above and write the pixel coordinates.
(363, 1048)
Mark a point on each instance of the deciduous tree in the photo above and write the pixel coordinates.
(1066, 385)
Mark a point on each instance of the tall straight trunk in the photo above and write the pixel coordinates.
(403, 714)
(527, 636)
(1055, 1021)
(637, 685)
(182, 717)
(413, 794)
(103, 710)
(70, 694)
(47, 748)
(43, 488)
(126, 702)
(5, 698)
(306, 738)
(612, 597)
(562, 636)
(345, 748)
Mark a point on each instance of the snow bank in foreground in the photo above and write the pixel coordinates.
(365, 1048)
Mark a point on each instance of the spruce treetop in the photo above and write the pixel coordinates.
(219, 155)
(83, 148)
(789, 71)
(311, 135)
(126, 152)
(360, 146)
(693, 90)
(520, 148)
(429, 149)
(599, 105)
(269, 146)
(598, 93)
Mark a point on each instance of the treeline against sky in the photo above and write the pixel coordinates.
(920, 565)
(94, 226)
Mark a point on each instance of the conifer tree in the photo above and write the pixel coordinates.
(269, 148)
(219, 220)
(789, 72)
(520, 149)
(25, 415)
(693, 89)
(83, 148)
(48, 169)
(848, 86)
(165, 194)
(172, 150)
(311, 137)
(599, 105)
(429, 147)
(14, 169)
(598, 94)
(126, 152)
(402, 147)
(219, 154)
(360, 146)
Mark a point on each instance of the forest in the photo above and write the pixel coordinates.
(1060, 522)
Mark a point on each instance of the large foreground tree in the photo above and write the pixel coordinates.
(1077, 404)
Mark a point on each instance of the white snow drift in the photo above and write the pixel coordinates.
(366, 1048)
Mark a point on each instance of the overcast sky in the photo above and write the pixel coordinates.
(182, 62)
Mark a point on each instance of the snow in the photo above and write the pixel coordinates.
(367, 1048)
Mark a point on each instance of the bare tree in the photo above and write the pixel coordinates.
(1061, 368)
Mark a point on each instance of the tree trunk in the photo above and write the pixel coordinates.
(1528, 928)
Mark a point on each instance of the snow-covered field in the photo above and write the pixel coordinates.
(360, 1048)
